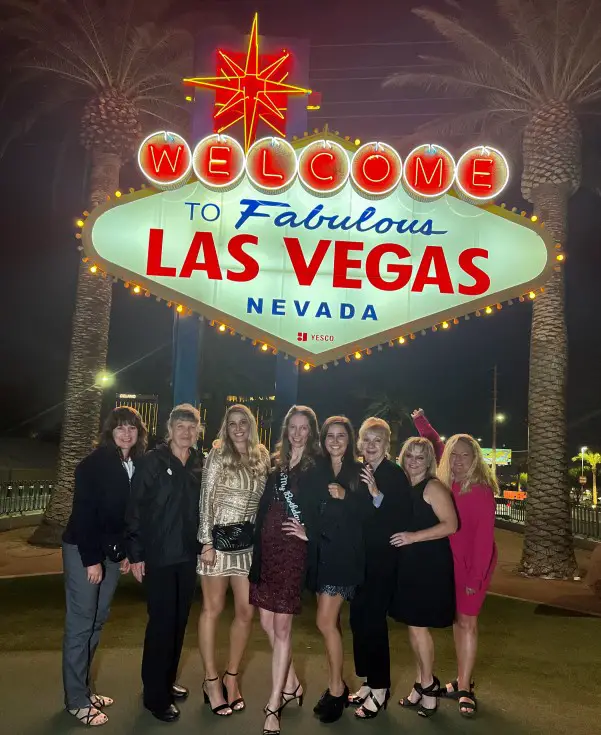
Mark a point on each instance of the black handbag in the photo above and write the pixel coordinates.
(234, 537)
(114, 550)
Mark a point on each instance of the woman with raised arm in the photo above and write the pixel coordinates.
(232, 484)
(278, 572)
(94, 554)
(162, 521)
(369, 607)
(336, 565)
(474, 554)
(425, 594)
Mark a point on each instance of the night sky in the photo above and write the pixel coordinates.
(449, 374)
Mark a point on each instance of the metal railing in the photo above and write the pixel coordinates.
(17, 498)
(586, 521)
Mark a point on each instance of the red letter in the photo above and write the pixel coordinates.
(486, 174)
(372, 267)
(155, 255)
(205, 241)
(305, 273)
(268, 174)
(342, 264)
(467, 265)
(165, 155)
(433, 254)
(419, 163)
(235, 249)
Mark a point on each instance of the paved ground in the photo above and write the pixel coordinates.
(18, 558)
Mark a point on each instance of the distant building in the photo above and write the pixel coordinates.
(262, 409)
(146, 405)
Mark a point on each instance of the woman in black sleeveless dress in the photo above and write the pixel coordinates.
(425, 594)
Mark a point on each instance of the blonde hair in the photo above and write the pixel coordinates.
(258, 456)
(479, 472)
(379, 426)
(424, 445)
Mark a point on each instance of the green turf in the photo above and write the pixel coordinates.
(531, 660)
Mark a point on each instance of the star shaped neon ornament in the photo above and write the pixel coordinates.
(252, 91)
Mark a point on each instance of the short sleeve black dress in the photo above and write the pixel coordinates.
(425, 590)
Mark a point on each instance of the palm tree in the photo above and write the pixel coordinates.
(115, 70)
(535, 84)
(593, 460)
(394, 412)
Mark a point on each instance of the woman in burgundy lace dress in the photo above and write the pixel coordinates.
(278, 571)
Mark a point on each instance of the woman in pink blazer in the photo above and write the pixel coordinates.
(463, 469)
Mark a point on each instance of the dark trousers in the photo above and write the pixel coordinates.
(368, 618)
(169, 594)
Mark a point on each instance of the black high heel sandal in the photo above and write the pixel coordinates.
(430, 691)
(220, 709)
(453, 694)
(292, 696)
(469, 708)
(238, 704)
(407, 703)
(355, 700)
(270, 713)
(369, 714)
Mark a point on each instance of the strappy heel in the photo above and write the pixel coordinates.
(238, 704)
(356, 700)
(407, 703)
(469, 708)
(369, 714)
(292, 696)
(453, 694)
(89, 715)
(220, 710)
(271, 713)
(429, 691)
(99, 701)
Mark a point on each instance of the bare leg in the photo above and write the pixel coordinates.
(328, 622)
(466, 645)
(267, 623)
(213, 601)
(423, 648)
(239, 634)
(280, 664)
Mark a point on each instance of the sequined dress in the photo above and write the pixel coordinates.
(283, 558)
(228, 497)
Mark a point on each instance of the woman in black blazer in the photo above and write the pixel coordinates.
(369, 608)
(340, 502)
(94, 554)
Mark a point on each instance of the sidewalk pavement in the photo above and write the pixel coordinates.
(19, 559)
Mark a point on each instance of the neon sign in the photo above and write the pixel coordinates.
(324, 166)
(319, 248)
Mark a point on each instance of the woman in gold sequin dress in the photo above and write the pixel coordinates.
(232, 484)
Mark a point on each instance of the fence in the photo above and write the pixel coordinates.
(586, 521)
(28, 497)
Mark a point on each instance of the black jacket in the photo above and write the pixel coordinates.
(99, 503)
(336, 553)
(305, 490)
(162, 517)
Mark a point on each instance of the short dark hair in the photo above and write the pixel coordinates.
(350, 455)
(120, 416)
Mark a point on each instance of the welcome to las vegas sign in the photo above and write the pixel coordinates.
(319, 248)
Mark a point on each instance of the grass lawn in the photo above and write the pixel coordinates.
(537, 670)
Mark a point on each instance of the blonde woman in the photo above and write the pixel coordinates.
(425, 594)
(473, 485)
(232, 484)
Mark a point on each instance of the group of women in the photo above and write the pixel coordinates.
(413, 541)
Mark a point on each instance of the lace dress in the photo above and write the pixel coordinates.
(283, 558)
(228, 497)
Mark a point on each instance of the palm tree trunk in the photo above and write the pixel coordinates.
(87, 358)
(548, 544)
(595, 486)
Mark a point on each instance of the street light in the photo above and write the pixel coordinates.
(105, 380)
(500, 418)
